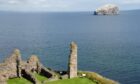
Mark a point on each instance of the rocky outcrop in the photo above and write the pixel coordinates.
(72, 66)
(109, 9)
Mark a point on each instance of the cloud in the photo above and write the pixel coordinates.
(62, 5)
(13, 2)
(131, 1)
(34, 4)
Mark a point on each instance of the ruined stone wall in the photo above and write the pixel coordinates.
(8, 69)
(13, 67)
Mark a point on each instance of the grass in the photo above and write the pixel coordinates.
(98, 78)
(18, 81)
(40, 77)
(92, 78)
(72, 81)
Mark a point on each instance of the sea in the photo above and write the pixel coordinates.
(108, 45)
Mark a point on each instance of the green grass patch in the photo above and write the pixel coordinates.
(18, 81)
(40, 77)
(72, 81)
(98, 78)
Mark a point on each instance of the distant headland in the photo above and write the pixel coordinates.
(108, 9)
(15, 67)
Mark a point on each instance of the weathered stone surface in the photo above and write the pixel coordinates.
(30, 76)
(11, 66)
(46, 72)
(3, 82)
(72, 66)
(32, 64)
(109, 9)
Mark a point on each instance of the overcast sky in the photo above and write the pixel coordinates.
(64, 5)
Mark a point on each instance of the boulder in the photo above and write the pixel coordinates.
(108, 9)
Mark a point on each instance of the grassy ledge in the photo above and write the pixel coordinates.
(40, 77)
(18, 81)
(72, 81)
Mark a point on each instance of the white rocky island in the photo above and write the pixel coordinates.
(108, 9)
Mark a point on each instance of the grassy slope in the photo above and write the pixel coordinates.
(40, 77)
(24, 81)
(66, 81)
(72, 81)
(18, 81)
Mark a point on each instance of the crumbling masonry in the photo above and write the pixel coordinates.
(72, 66)
(14, 67)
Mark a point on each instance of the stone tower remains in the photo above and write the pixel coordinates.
(72, 66)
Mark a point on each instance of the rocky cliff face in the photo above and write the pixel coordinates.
(109, 9)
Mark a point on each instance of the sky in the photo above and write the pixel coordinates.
(64, 5)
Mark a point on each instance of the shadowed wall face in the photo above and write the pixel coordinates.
(73, 61)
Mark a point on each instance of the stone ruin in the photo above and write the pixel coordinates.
(14, 67)
(72, 66)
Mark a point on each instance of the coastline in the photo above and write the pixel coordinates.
(15, 67)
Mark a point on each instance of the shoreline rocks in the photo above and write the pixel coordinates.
(108, 9)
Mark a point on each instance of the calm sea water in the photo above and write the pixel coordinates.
(109, 45)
